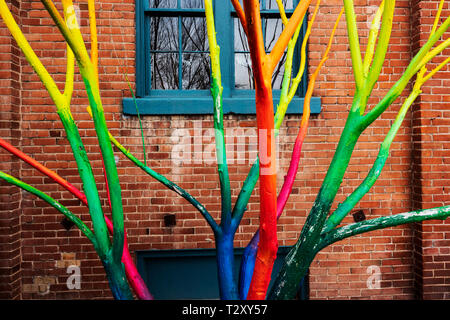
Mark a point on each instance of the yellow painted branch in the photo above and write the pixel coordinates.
(70, 68)
(436, 19)
(298, 78)
(353, 39)
(433, 72)
(284, 19)
(31, 56)
(430, 55)
(373, 33)
(94, 42)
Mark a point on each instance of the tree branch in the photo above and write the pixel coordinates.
(341, 233)
(353, 40)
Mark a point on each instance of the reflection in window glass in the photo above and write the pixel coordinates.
(272, 29)
(163, 3)
(196, 71)
(164, 31)
(243, 78)
(179, 45)
(272, 4)
(192, 4)
(194, 34)
(164, 71)
(179, 49)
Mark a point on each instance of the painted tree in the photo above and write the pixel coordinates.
(321, 227)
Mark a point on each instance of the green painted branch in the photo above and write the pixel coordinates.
(110, 168)
(373, 34)
(73, 136)
(169, 184)
(88, 74)
(244, 195)
(285, 285)
(87, 177)
(216, 91)
(414, 66)
(353, 38)
(349, 203)
(383, 222)
(55, 204)
(382, 47)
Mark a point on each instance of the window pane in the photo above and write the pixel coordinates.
(243, 78)
(194, 35)
(163, 3)
(164, 34)
(240, 39)
(272, 30)
(164, 71)
(278, 74)
(272, 4)
(196, 71)
(192, 4)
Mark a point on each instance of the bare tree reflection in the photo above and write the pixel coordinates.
(179, 48)
(167, 52)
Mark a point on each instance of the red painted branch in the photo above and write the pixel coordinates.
(268, 244)
(44, 170)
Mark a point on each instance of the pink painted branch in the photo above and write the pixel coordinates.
(133, 276)
(286, 189)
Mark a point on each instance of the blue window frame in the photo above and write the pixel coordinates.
(179, 90)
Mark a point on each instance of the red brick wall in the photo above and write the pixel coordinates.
(431, 166)
(341, 270)
(9, 196)
(338, 272)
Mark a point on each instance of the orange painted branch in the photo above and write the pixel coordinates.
(286, 35)
(240, 13)
(268, 244)
(293, 166)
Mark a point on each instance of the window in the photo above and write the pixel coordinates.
(172, 58)
(192, 273)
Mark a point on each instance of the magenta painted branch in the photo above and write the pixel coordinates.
(133, 276)
(286, 189)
